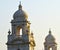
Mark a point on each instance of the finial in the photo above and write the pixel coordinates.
(49, 30)
(9, 32)
(20, 2)
(20, 6)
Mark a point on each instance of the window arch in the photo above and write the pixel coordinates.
(19, 31)
(50, 48)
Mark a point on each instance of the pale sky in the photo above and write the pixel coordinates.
(43, 14)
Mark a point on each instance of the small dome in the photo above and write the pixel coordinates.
(50, 37)
(20, 13)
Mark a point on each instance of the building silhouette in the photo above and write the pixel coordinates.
(21, 38)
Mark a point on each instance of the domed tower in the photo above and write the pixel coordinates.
(50, 42)
(20, 38)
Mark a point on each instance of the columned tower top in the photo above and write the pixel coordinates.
(20, 38)
(50, 42)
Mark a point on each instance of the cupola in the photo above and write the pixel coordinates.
(50, 43)
(50, 37)
(20, 14)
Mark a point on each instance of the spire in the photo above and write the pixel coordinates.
(49, 31)
(20, 6)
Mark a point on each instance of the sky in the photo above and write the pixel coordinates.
(43, 14)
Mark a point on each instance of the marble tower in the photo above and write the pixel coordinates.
(20, 38)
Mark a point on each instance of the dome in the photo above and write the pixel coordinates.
(20, 13)
(50, 37)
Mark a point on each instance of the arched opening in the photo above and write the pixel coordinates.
(19, 31)
(50, 49)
